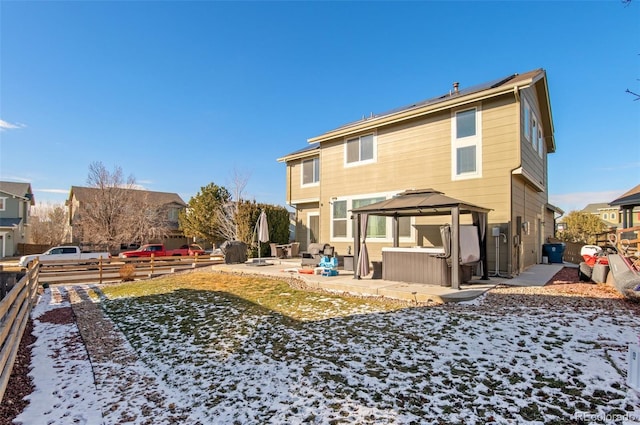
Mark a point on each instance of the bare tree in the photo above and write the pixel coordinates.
(49, 224)
(227, 213)
(117, 213)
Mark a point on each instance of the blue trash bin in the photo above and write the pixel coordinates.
(553, 251)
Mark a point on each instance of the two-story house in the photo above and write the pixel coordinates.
(169, 204)
(486, 145)
(16, 200)
(609, 215)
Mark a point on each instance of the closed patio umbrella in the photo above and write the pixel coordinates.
(263, 230)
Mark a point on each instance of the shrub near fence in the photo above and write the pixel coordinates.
(15, 309)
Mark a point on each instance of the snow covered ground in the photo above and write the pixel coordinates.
(204, 357)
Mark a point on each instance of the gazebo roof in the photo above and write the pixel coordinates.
(422, 202)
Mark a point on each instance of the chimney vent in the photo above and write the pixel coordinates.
(455, 87)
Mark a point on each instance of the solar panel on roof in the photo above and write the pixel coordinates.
(478, 87)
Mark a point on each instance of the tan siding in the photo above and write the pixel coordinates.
(531, 160)
(528, 203)
(294, 180)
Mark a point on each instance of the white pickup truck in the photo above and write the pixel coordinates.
(62, 253)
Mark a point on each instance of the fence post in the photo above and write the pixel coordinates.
(100, 269)
(152, 258)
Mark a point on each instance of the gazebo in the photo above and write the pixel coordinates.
(420, 203)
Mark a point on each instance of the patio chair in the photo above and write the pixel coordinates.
(276, 251)
(294, 250)
(314, 253)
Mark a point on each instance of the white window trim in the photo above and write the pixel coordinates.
(312, 184)
(366, 161)
(3, 206)
(350, 222)
(475, 140)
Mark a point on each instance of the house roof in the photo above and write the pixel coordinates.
(310, 150)
(159, 198)
(475, 93)
(630, 198)
(594, 208)
(18, 189)
(423, 202)
(9, 222)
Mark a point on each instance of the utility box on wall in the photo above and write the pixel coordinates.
(633, 373)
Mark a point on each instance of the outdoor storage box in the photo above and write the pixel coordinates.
(554, 251)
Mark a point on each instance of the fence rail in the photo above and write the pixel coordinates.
(16, 306)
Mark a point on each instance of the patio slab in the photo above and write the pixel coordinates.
(537, 275)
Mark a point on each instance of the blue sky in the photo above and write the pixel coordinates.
(181, 94)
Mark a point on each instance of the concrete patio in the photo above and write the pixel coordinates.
(537, 275)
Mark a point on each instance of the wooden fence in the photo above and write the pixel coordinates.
(14, 313)
(16, 306)
(114, 270)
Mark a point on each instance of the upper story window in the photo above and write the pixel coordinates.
(360, 150)
(613, 216)
(311, 171)
(173, 214)
(466, 144)
(533, 129)
(540, 141)
(605, 216)
(534, 132)
(3, 204)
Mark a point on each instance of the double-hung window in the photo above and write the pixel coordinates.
(3, 204)
(339, 224)
(311, 172)
(360, 149)
(466, 144)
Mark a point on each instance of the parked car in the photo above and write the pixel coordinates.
(191, 250)
(62, 253)
(159, 250)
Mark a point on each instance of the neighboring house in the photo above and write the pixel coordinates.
(486, 145)
(629, 205)
(610, 215)
(171, 203)
(16, 200)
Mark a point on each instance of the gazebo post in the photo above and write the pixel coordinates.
(455, 247)
(396, 231)
(485, 260)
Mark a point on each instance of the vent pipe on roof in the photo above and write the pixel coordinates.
(455, 87)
